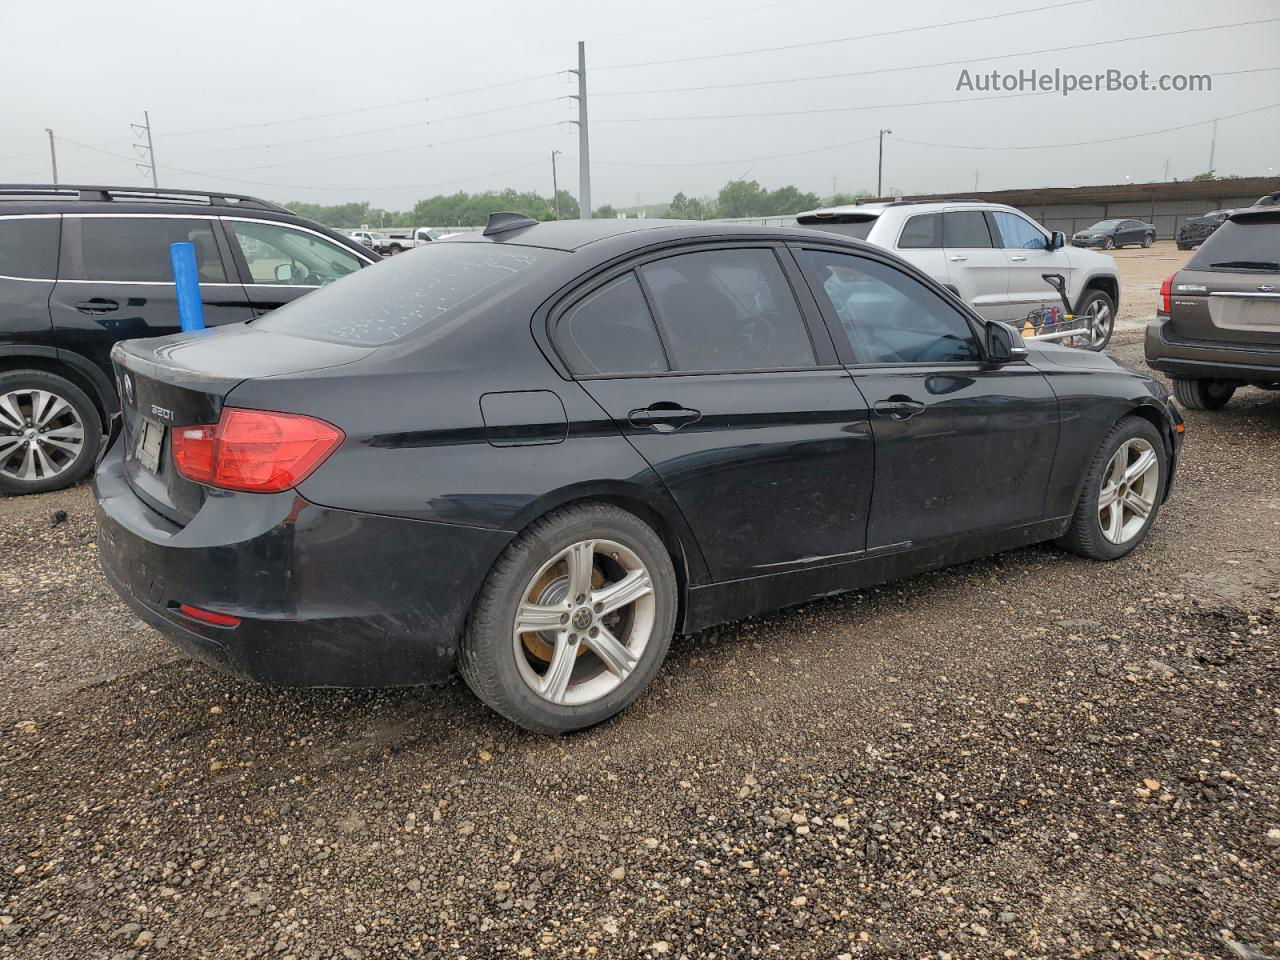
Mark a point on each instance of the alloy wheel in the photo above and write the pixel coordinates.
(584, 622)
(1099, 319)
(1130, 486)
(41, 435)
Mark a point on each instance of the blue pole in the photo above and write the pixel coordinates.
(186, 279)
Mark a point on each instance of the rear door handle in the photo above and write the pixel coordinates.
(898, 408)
(957, 258)
(97, 305)
(663, 417)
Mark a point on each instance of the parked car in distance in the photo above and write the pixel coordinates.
(398, 241)
(372, 239)
(991, 256)
(84, 267)
(1114, 234)
(1218, 323)
(537, 451)
(1197, 230)
(1268, 199)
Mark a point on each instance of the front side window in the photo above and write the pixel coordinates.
(277, 254)
(29, 247)
(965, 230)
(611, 331)
(888, 316)
(727, 310)
(1018, 233)
(923, 232)
(136, 249)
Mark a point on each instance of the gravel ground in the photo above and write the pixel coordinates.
(1032, 755)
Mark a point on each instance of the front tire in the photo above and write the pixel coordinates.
(1121, 494)
(1099, 311)
(574, 620)
(1203, 394)
(49, 432)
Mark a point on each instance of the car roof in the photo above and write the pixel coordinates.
(876, 208)
(570, 235)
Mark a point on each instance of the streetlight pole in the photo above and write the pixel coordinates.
(53, 155)
(555, 188)
(880, 165)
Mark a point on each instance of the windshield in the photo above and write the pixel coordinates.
(403, 296)
(1251, 247)
(1105, 225)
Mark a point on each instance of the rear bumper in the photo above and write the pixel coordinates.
(325, 597)
(1209, 359)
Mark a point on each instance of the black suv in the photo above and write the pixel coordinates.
(84, 267)
(1197, 230)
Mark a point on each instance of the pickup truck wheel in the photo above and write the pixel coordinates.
(1203, 394)
(1099, 313)
(49, 432)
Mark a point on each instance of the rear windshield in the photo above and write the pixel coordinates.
(407, 295)
(855, 225)
(1250, 247)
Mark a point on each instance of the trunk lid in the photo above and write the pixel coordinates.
(183, 380)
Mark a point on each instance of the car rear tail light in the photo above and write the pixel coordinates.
(208, 616)
(254, 451)
(1166, 294)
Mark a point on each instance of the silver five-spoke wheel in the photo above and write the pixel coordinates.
(41, 434)
(1098, 322)
(1130, 486)
(584, 622)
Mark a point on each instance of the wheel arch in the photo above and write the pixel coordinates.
(1108, 284)
(80, 371)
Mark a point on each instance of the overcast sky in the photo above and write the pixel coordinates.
(389, 76)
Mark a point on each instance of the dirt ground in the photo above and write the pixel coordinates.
(1141, 273)
(1027, 756)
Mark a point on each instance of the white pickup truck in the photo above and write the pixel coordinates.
(398, 241)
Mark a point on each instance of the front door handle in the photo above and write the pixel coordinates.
(898, 408)
(97, 305)
(1018, 259)
(663, 417)
(957, 258)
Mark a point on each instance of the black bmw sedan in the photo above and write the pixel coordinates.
(533, 454)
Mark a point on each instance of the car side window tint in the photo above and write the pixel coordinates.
(965, 230)
(611, 331)
(136, 249)
(1017, 233)
(277, 254)
(923, 232)
(889, 316)
(29, 247)
(728, 309)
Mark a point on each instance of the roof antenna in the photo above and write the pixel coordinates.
(505, 222)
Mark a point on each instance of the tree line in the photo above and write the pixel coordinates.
(737, 198)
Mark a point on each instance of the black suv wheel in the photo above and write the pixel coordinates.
(49, 432)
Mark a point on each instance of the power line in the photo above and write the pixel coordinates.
(943, 63)
(725, 163)
(862, 36)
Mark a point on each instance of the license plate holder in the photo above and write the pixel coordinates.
(150, 444)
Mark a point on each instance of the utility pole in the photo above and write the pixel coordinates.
(555, 189)
(584, 145)
(138, 130)
(1213, 145)
(1166, 169)
(880, 165)
(834, 185)
(976, 175)
(53, 155)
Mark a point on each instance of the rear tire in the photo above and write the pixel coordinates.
(1203, 394)
(1108, 243)
(50, 432)
(1147, 241)
(1121, 452)
(514, 671)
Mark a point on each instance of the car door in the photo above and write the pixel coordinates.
(1026, 247)
(707, 364)
(280, 262)
(962, 445)
(977, 267)
(116, 279)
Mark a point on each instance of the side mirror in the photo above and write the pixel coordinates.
(284, 272)
(1004, 344)
(1057, 240)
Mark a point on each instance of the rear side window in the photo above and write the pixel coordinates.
(922, 232)
(1017, 233)
(405, 296)
(965, 230)
(1250, 246)
(136, 249)
(611, 331)
(29, 247)
(728, 310)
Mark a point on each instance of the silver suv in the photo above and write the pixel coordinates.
(992, 256)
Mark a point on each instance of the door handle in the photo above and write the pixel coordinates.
(1018, 259)
(957, 258)
(663, 417)
(97, 305)
(898, 408)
